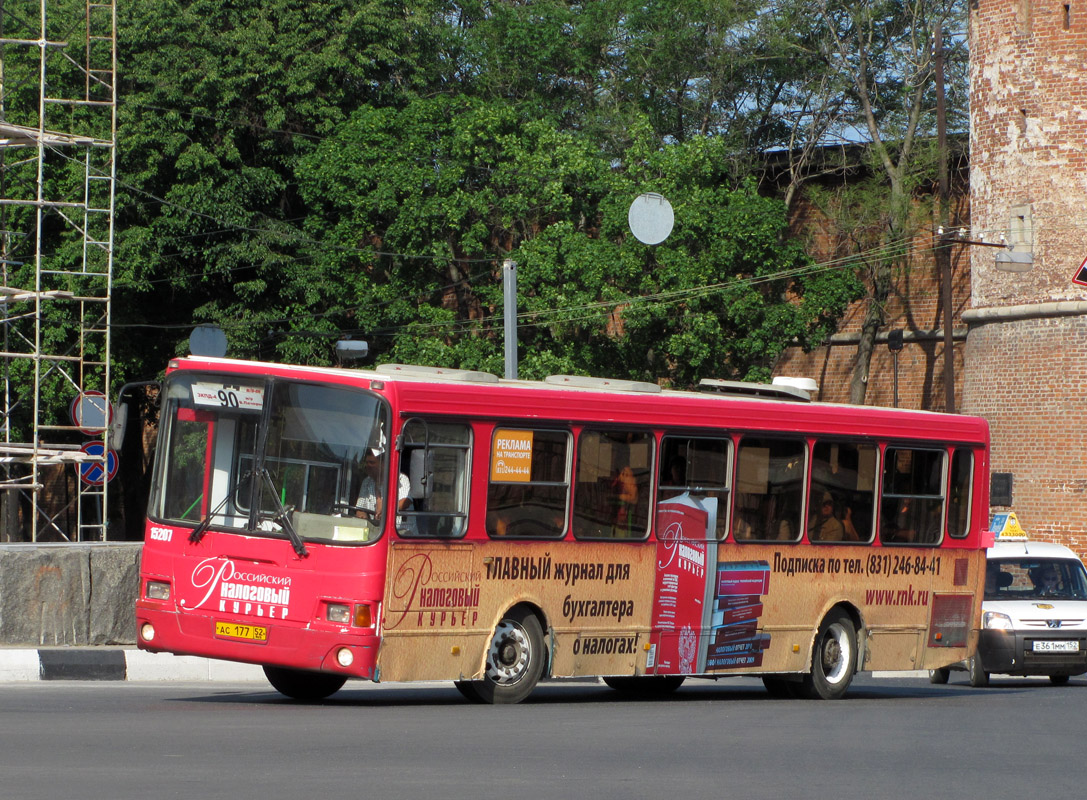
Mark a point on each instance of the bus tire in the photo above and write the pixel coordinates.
(780, 688)
(300, 684)
(978, 676)
(468, 690)
(1058, 680)
(644, 685)
(833, 658)
(515, 659)
(941, 675)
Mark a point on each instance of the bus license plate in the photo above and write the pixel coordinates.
(1056, 647)
(234, 630)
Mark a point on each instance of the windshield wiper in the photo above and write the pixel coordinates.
(282, 517)
(199, 531)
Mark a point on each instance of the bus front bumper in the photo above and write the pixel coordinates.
(262, 642)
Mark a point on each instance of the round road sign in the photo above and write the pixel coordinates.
(91, 412)
(95, 473)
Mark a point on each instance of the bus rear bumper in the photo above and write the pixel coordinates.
(353, 655)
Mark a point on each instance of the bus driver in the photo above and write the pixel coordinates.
(370, 492)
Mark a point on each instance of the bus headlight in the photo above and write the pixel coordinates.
(994, 620)
(339, 613)
(157, 590)
(344, 657)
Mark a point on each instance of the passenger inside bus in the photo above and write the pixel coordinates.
(899, 527)
(849, 526)
(677, 471)
(625, 501)
(823, 524)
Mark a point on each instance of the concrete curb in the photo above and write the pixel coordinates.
(116, 664)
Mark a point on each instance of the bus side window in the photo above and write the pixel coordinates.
(769, 489)
(911, 509)
(612, 484)
(695, 472)
(842, 493)
(962, 477)
(528, 490)
(439, 478)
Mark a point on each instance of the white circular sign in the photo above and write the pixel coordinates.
(650, 218)
(91, 412)
(207, 340)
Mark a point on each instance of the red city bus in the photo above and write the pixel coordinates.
(565, 527)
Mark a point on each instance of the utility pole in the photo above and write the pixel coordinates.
(943, 246)
(509, 313)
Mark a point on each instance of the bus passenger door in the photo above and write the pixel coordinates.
(431, 626)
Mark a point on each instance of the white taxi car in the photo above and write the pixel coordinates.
(1033, 616)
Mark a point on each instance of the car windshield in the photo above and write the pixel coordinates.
(1035, 579)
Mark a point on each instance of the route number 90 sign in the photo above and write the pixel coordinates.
(226, 396)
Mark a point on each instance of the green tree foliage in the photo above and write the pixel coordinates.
(460, 182)
(219, 101)
(299, 171)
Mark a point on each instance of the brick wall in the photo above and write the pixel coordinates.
(1028, 132)
(1028, 377)
(914, 306)
(1023, 363)
(1026, 356)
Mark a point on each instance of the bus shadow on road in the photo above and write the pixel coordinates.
(589, 691)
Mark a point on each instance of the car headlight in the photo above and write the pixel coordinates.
(994, 620)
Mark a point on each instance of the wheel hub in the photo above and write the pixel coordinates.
(509, 655)
(832, 654)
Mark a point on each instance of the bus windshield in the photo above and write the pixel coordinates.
(271, 457)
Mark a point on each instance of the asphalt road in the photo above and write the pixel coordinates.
(889, 738)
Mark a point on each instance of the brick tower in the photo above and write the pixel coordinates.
(1025, 359)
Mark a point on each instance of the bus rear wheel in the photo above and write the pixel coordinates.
(979, 678)
(515, 660)
(781, 688)
(941, 675)
(833, 658)
(644, 685)
(300, 684)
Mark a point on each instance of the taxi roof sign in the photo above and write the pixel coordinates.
(1006, 526)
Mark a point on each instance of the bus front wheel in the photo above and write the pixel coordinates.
(300, 684)
(833, 658)
(515, 659)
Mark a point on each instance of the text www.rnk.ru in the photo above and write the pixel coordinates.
(897, 597)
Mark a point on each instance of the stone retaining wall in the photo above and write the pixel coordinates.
(68, 594)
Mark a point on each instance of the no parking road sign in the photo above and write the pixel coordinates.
(95, 473)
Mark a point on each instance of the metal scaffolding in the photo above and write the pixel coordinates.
(58, 123)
